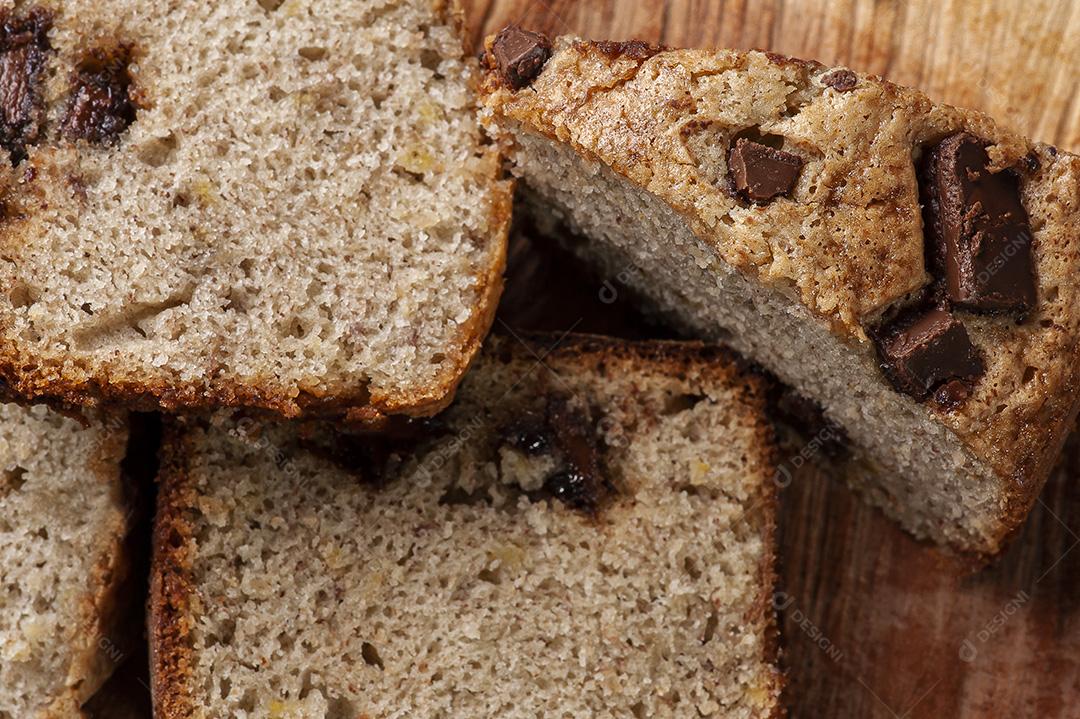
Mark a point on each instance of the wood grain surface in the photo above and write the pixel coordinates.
(1019, 60)
(875, 624)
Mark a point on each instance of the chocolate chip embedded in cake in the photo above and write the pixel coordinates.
(929, 350)
(568, 434)
(529, 435)
(520, 55)
(581, 485)
(100, 107)
(842, 80)
(24, 54)
(760, 172)
(981, 239)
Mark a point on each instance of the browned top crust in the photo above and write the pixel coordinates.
(853, 247)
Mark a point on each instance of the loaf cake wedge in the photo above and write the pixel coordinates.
(589, 534)
(64, 517)
(907, 265)
(283, 205)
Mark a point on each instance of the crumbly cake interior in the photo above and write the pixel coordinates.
(302, 206)
(832, 256)
(62, 520)
(451, 591)
(921, 473)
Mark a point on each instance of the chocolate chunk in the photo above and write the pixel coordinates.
(100, 108)
(24, 54)
(633, 49)
(840, 80)
(1031, 162)
(520, 55)
(581, 485)
(760, 173)
(529, 435)
(978, 228)
(573, 489)
(565, 432)
(927, 351)
(574, 436)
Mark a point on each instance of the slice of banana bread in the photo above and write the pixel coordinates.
(64, 515)
(779, 205)
(586, 535)
(263, 203)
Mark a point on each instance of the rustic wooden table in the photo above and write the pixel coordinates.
(874, 623)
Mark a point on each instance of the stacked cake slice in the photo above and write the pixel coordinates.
(590, 536)
(908, 266)
(65, 512)
(278, 205)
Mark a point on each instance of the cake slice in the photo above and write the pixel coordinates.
(271, 204)
(586, 532)
(907, 265)
(64, 516)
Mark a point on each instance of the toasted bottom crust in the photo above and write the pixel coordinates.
(25, 379)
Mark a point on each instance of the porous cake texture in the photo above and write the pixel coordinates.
(64, 514)
(587, 537)
(285, 205)
(907, 265)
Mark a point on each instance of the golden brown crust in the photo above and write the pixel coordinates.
(635, 116)
(171, 584)
(111, 576)
(103, 627)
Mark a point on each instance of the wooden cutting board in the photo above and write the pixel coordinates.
(1018, 60)
(874, 623)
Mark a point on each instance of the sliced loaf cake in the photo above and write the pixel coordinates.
(907, 265)
(586, 532)
(64, 516)
(274, 204)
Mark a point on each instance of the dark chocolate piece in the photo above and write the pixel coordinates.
(929, 351)
(529, 435)
(567, 433)
(633, 49)
(24, 54)
(980, 237)
(840, 80)
(760, 173)
(520, 55)
(573, 489)
(575, 438)
(100, 108)
(1031, 162)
